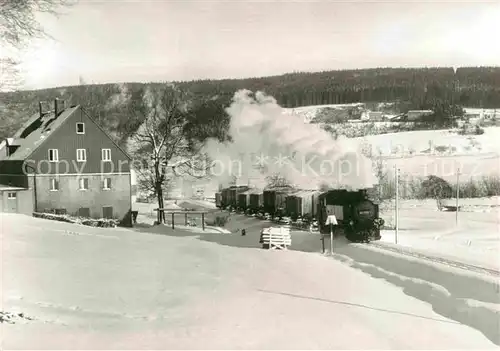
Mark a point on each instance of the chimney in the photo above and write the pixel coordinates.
(43, 108)
(40, 108)
(59, 106)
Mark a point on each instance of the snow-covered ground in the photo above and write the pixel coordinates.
(476, 156)
(419, 142)
(94, 288)
(474, 239)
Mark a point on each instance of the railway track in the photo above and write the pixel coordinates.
(445, 261)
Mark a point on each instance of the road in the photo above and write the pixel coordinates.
(92, 288)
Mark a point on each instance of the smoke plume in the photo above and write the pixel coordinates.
(267, 141)
(120, 98)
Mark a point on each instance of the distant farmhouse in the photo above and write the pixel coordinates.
(481, 114)
(415, 115)
(372, 116)
(62, 161)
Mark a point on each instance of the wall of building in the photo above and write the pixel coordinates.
(24, 200)
(69, 196)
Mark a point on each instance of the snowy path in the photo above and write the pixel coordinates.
(114, 288)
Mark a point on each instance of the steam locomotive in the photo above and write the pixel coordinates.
(357, 216)
(356, 212)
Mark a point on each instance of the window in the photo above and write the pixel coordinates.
(11, 196)
(80, 128)
(106, 154)
(81, 155)
(107, 212)
(54, 184)
(53, 155)
(84, 212)
(106, 184)
(83, 184)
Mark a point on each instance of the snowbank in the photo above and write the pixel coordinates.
(481, 249)
(465, 296)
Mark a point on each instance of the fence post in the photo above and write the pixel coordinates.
(173, 220)
(331, 238)
(396, 215)
(458, 195)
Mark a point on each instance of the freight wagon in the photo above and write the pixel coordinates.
(218, 200)
(233, 192)
(256, 201)
(224, 198)
(302, 203)
(244, 198)
(274, 199)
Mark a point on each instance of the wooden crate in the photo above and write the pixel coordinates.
(276, 238)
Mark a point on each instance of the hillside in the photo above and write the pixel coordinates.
(410, 88)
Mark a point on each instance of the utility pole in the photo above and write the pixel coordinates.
(458, 195)
(331, 238)
(396, 214)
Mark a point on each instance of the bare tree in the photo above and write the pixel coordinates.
(9, 74)
(277, 180)
(162, 145)
(18, 25)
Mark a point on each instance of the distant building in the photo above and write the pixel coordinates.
(372, 116)
(416, 114)
(375, 116)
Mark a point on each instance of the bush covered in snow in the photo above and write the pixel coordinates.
(101, 222)
(219, 220)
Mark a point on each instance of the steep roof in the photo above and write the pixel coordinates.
(303, 193)
(35, 131)
(252, 191)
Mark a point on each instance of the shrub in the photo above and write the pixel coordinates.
(491, 185)
(441, 148)
(54, 217)
(307, 219)
(219, 221)
(436, 188)
(101, 222)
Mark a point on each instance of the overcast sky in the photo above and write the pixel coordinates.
(121, 41)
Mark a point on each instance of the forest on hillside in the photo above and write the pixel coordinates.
(411, 88)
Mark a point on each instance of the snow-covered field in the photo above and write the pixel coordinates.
(419, 142)
(475, 239)
(94, 288)
(476, 156)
